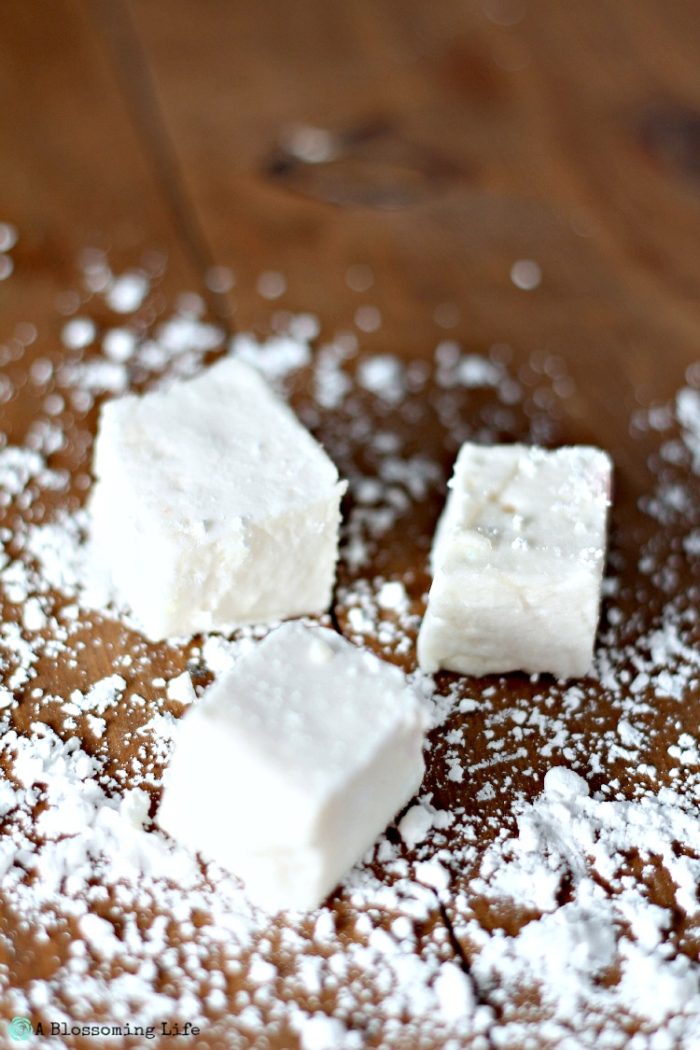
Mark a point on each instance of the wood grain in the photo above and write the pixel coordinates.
(564, 137)
(74, 176)
(462, 137)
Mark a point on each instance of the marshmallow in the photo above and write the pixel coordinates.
(517, 561)
(213, 506)
(291, 764)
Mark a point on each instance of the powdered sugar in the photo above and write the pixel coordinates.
(488, 885)
(573, 845)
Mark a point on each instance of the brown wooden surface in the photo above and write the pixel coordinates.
(469, 135)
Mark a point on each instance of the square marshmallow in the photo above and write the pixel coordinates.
(213, 505)
(292, 763)
(517, 562)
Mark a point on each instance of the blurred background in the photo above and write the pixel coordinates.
(504, 171)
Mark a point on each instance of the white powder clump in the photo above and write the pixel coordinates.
(99, 697)
(322, 1033)
(181, 333)
(382, 375)
(181, 689)
(564, 783)
(17, 467)
(331, 384)
(415, 825)
(33, 617)
(688, 411)
(472, 370)
(99, 934)
(432, 873)
(455, 992)
(127, 292)
(568, 838)
(276, 358)
(93, 376)
(77, 333)
(392, 595)
(119, 344)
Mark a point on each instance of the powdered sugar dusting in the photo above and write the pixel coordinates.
(541, 887)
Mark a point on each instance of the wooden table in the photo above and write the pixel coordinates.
(459, 139)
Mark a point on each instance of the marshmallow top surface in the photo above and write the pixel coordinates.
(521, 508)
(308, 708)
(517, 560)
(218, 445)
(293, 762)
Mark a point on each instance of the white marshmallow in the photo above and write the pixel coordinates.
(213, 505)
(291, 764)
(517, 561)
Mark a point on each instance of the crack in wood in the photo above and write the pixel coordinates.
(463, 960)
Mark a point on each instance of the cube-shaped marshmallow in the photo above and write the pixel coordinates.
(213, 506)
(292, 763)
(517, 562)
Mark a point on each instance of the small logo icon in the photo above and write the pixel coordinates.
(20, 1028)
